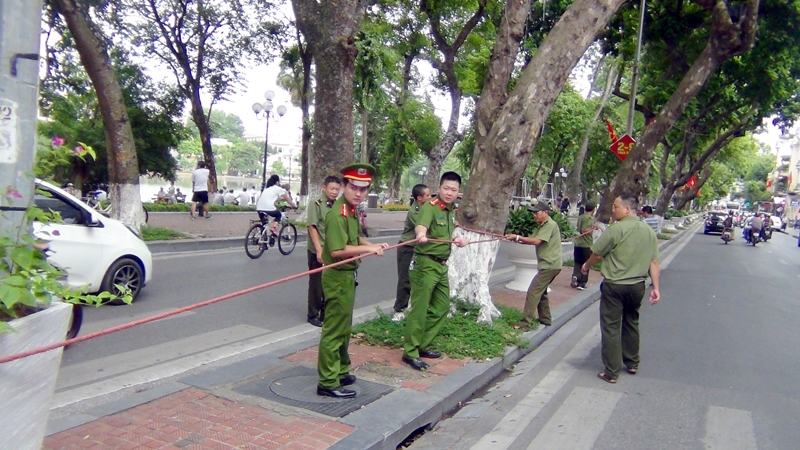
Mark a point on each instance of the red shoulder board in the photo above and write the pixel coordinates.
(435, 202)
(344, 210)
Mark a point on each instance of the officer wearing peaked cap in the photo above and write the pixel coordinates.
(342, 241)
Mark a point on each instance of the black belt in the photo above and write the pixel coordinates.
(435, 259)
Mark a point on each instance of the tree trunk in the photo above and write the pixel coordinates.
(691, 194)
(505, 150)
(123, 165)
(201, 121)
(329, 29)
(364, 125)
(305, 95)
(440, 151)
(574, 180)
(727, 39)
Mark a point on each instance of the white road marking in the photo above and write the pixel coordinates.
(729, 429)
(504, 434)
(87, 328)
(578, 421)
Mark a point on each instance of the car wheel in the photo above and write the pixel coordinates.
(125, 272)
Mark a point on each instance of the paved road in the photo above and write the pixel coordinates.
(719, 367)
(156, 350)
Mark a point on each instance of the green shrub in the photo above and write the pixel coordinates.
(520, 221)
(395, 207)
(161, 234)
(184, 207)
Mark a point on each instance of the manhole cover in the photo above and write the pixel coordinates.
(297, 386)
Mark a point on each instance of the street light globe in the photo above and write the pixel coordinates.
(268, 106)
(281, 110)
(269, 95)
(257, 108)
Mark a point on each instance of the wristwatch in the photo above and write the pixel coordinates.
(517, 239)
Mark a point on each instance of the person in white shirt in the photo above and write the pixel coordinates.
(244, 197)
(229, 198)
(217, 198)
(200, 189)
(265, 206)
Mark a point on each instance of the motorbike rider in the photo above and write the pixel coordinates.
(765, 227)
(756, 224)
(727, 225)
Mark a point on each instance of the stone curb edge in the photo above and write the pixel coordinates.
(412, 409)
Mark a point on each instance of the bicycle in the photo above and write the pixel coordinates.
(259, 237)
(104, 207)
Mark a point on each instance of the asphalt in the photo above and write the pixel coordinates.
(381, 424)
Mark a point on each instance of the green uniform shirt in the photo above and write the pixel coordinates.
(317, 211)
(410, 224)
(341, 229)
(440, 224)
(548, 253)
(585, 221)
(627, 247)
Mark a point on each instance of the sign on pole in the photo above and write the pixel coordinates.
(622, 146)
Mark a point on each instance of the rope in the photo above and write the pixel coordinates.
(76, 340)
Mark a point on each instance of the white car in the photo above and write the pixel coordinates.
(93, 250)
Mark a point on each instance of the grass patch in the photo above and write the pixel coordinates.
(184, 207)
(394, 207)
(669, 231)
(461, 335)
(664, 237)
(161, 234)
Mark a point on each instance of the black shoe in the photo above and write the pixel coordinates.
(430, 354)
(416, 363)
(316, 322)
(337, 392)
(348, 380)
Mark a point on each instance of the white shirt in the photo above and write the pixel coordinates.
(217, 200)
(244, 198)
(200, 180)
(266, 201)
(229, 198)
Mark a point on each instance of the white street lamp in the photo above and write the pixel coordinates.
(264, 110)
(422, 171)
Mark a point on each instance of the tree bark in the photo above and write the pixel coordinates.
(510, 136)
(123, 165)
(305, 100)
(200, 119)
(329, 29)
(574, 180)
(727, 39)
(364, 141)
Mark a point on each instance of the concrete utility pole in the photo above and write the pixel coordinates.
(20, 26)
(635, 77)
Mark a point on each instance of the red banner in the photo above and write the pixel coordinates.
(611, 133)
(623, 146)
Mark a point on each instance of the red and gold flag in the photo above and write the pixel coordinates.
(611, 133)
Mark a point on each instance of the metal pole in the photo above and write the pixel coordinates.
(20, 25)
(635, 76)
(266, 146)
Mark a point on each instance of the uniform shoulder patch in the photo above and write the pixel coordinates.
(344, 210)
(318, 202)
(435, 201)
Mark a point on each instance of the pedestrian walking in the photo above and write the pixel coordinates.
(629, 251)
(317, 211)
(200, 189)
(430, 289)
(547, 239)
(422, 195)
(583, 246)
(342, 241)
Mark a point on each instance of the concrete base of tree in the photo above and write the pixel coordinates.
(523, 257)
(27, 386)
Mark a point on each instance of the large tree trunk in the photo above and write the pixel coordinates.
(329, 29)
(201, 121)
(727, 39)
(507, 138)
(574, 180)
(364, 140)
(123, 165)
(305, 97)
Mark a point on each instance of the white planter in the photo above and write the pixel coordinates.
(27, 384)
(523, 257)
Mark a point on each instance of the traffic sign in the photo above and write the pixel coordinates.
(623, 146)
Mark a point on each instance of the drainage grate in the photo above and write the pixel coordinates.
(297, 386)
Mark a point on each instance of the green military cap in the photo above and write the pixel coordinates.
(359, 174)
(539, 206)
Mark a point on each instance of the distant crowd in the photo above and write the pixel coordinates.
(224, 196)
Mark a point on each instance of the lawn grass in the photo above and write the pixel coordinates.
(461, 336)
(161, 234)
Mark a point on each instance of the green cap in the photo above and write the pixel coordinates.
(359, 174)
(539, 206)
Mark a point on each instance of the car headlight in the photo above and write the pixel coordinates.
(134, 231)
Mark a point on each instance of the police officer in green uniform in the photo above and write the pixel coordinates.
(420, 194)
(629, 251)
(547, 239)
(342, 241)
(317, 210)
(430, 289)
(583, 247)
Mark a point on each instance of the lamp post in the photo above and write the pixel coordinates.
(264, 110)
(563, 175)
(422, 171)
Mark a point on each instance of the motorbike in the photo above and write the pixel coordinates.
(727, 235)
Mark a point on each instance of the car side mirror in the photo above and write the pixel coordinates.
(92, 220)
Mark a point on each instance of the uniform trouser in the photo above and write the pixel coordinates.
(316, 299)
(619, 325)
(580, 256)
(536, 301)
(430, 302)
(333, 362)
(404, 255)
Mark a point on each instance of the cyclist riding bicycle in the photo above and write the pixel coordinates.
(268, 201)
